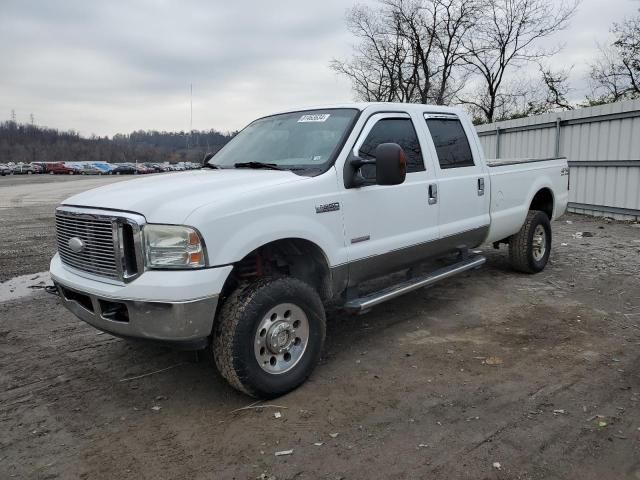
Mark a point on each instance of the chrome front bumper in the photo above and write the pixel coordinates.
(186, 324)
(178, 307)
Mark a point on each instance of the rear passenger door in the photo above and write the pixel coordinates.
(463, 182)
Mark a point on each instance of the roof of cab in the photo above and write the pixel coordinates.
(407, 107)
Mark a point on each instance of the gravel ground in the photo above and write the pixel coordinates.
(490, 375)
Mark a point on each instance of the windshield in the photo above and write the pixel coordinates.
(300, 141)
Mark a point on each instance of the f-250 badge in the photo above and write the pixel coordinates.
(328, 207)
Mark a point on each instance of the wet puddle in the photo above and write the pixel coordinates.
(23, 286)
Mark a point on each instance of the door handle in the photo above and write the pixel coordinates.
(480, 187)
(433, 194)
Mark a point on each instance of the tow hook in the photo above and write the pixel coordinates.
(52, 289)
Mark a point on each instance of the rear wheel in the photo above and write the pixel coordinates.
(269, 335)
(529, 249)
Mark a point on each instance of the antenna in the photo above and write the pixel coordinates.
(191, 105)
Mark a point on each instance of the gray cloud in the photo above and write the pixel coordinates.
(107, 67)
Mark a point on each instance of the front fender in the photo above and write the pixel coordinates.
(248, 236)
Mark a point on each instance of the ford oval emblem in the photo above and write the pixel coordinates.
(76, 244)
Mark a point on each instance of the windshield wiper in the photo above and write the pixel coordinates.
(270, 166)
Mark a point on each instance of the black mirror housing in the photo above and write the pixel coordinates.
(391, 164)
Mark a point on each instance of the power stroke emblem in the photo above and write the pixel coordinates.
(328, 207)
(76, 245)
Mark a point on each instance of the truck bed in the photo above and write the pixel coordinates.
(514, 182)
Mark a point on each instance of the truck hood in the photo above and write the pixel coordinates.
(171, 197)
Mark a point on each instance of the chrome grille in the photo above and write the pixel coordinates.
(97, 234)
(111, 244)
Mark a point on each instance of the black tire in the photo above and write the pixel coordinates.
(524, 256)
(237, 326)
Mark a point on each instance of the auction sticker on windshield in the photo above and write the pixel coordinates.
(319, 117)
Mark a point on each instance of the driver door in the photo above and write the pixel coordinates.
(389, 227)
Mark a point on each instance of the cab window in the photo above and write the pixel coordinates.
(451, 142)
(392, 130)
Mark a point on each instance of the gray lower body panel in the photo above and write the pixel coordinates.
(353, 273)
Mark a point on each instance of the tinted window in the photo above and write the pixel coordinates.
(393, 130)
(451, 143)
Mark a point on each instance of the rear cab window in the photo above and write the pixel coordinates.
(450, 140)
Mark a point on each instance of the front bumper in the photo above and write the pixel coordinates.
(170, 306)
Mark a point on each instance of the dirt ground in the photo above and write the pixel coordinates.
(490, 375)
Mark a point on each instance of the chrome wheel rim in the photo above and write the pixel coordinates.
(281, 338)
(539, 243)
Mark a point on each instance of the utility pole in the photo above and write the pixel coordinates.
(31, 119)
(13, 116)
(190, 115)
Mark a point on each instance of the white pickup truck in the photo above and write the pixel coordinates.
(300, 210)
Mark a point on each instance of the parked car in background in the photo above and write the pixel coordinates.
(25, 169)
(123, 169)
(104, 167)
(88, 169)
(59, 168)
(4, 170)
(154, 167)
(142, 168)
(41, 165)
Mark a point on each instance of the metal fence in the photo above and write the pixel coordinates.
(602, 146)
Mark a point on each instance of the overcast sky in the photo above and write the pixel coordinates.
(117, 66)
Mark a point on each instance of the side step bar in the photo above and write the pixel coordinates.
(365, 303)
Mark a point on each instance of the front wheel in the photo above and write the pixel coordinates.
(269, 335)
(529, 249)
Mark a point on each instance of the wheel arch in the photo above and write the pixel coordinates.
(544, 201)
(297, 257)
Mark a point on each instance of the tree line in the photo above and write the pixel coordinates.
(490, 56)
(26, 143)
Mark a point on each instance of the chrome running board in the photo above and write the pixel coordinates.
(371, 300)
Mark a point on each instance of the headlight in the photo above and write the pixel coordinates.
(171, 246)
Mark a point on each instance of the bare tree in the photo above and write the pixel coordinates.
(375, 69)
(506, 37)
(556, 89)
(408, 50)
(616, 73)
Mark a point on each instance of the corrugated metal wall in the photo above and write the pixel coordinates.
(602, 145)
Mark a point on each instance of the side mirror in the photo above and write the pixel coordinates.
(391, 164)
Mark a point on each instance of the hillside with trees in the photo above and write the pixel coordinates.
(28, 143)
